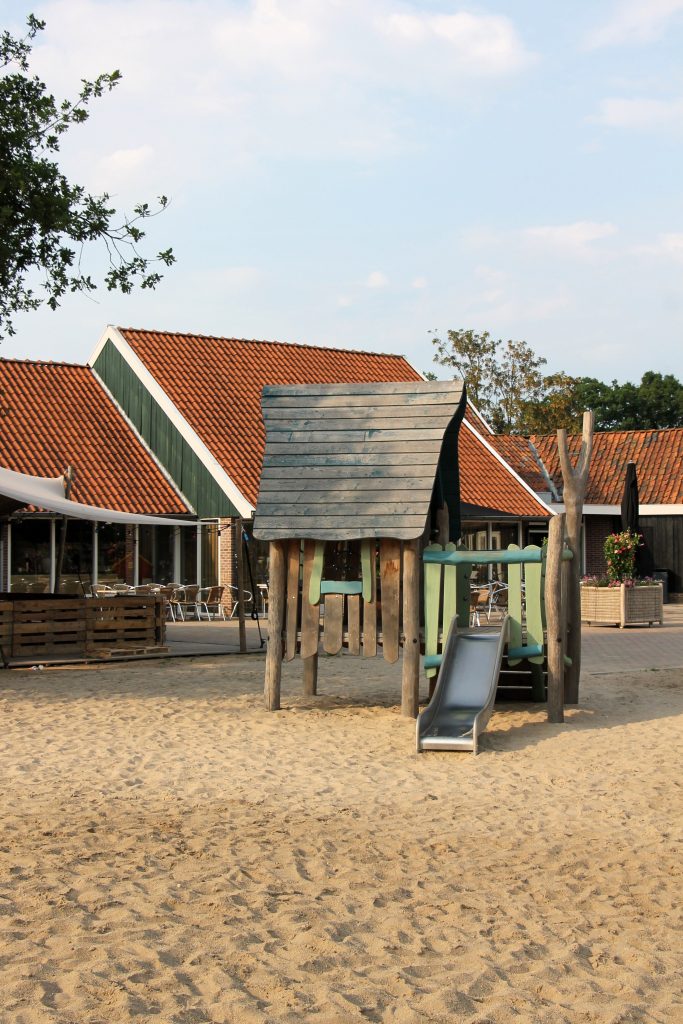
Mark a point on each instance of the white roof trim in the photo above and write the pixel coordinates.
(209, 461)
(615, 510)
(550, 509)
(479, 415)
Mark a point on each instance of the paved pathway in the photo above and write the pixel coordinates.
(609, 649)
(605, 648)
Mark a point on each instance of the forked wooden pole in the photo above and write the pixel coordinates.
(575, 483)
(411, 629)
(555, 620)
(276, 618)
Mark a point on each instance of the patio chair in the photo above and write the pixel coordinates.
(122, 588)
(499, 599)
(210, 600)
(479, 602)
(170, 594)
(234, 597)
(186, 600)
(102, 590)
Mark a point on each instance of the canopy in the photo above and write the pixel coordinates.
(19, 489)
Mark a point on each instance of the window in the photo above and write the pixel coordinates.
(31, 555)
(115, 553)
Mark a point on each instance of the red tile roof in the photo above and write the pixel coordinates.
(658, 455)
(485, 482)
(216, 383)
(519, 454)
(57, 414)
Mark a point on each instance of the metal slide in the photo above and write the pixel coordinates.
(465, 692)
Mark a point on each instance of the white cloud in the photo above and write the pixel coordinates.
(668, 245)
(635, 21)
(419, 282)
(479, 43)
(377, 280)
(640, 113)
(572, 237)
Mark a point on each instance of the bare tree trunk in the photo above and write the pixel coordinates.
(555, 619)
(575, 482)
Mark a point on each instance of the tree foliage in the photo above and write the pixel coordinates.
(506, 383)
(503, 377)
(45, 220)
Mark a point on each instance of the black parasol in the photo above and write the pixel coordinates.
(630, 519)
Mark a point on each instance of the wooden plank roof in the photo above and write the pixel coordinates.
(348, 461)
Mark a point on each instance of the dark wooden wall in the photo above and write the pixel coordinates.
(664, 537)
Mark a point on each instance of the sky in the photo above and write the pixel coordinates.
(358, 173)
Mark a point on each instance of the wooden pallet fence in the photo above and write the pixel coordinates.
(50, 628)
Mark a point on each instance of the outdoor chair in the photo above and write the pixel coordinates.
(102, 590)
(234, 597)
(210, 600)
(122, 588)
(170, 595)
(186, 600)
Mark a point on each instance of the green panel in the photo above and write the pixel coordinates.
(432, 588)
(168, 445)
(316, 573)
(533, 610)
(514, 606)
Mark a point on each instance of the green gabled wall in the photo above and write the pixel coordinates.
(171, 449)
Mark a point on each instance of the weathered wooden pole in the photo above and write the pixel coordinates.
(410, 687)
(310, 625)
(239, 542)
(68, 483)
(575, 482)
(555, 619)
(276, 618)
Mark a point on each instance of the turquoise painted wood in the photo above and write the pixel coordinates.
(341, 587)
(450, 594)
(191, 477)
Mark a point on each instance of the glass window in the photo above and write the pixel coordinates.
(475, 538)
(188, 555)
(115, 553)
(30, 569)
(155, 554)
(76, 575)
(209, 535)
(502, 535)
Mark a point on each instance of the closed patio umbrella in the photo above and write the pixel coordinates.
(630, 518)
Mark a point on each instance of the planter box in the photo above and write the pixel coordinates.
(622, 606)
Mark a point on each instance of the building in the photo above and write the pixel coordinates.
(658, 456)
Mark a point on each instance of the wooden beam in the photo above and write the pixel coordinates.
(555, 620)
(411, 630)
(276, 616)
(310, 625)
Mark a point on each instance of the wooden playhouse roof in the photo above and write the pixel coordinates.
(349, 461)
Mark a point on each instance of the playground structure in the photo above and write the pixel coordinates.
(358, 473)
(356, 480)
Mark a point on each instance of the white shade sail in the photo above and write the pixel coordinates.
(48, 493)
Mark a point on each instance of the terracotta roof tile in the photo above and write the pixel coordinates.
(487, 483)
(57, 414)
(658, 455)
(216, 383)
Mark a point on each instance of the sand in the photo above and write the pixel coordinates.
(172, 853)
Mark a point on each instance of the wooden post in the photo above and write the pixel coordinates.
(411, 629)
(240, 586)
(443, 525)
(555, 618)
(68, 482)
(276, 618)
(575, 482)
(310, 625)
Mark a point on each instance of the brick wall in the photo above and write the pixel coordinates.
(597, 528)
(227, 562)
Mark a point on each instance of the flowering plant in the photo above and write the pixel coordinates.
(620, 555)
(605, 581)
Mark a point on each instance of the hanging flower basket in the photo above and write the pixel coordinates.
(623, 605)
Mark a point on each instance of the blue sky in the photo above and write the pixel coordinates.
(356, 174)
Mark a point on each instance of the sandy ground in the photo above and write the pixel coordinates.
(171, 853)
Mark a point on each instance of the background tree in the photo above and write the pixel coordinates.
(45, 220)
(473, 357)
